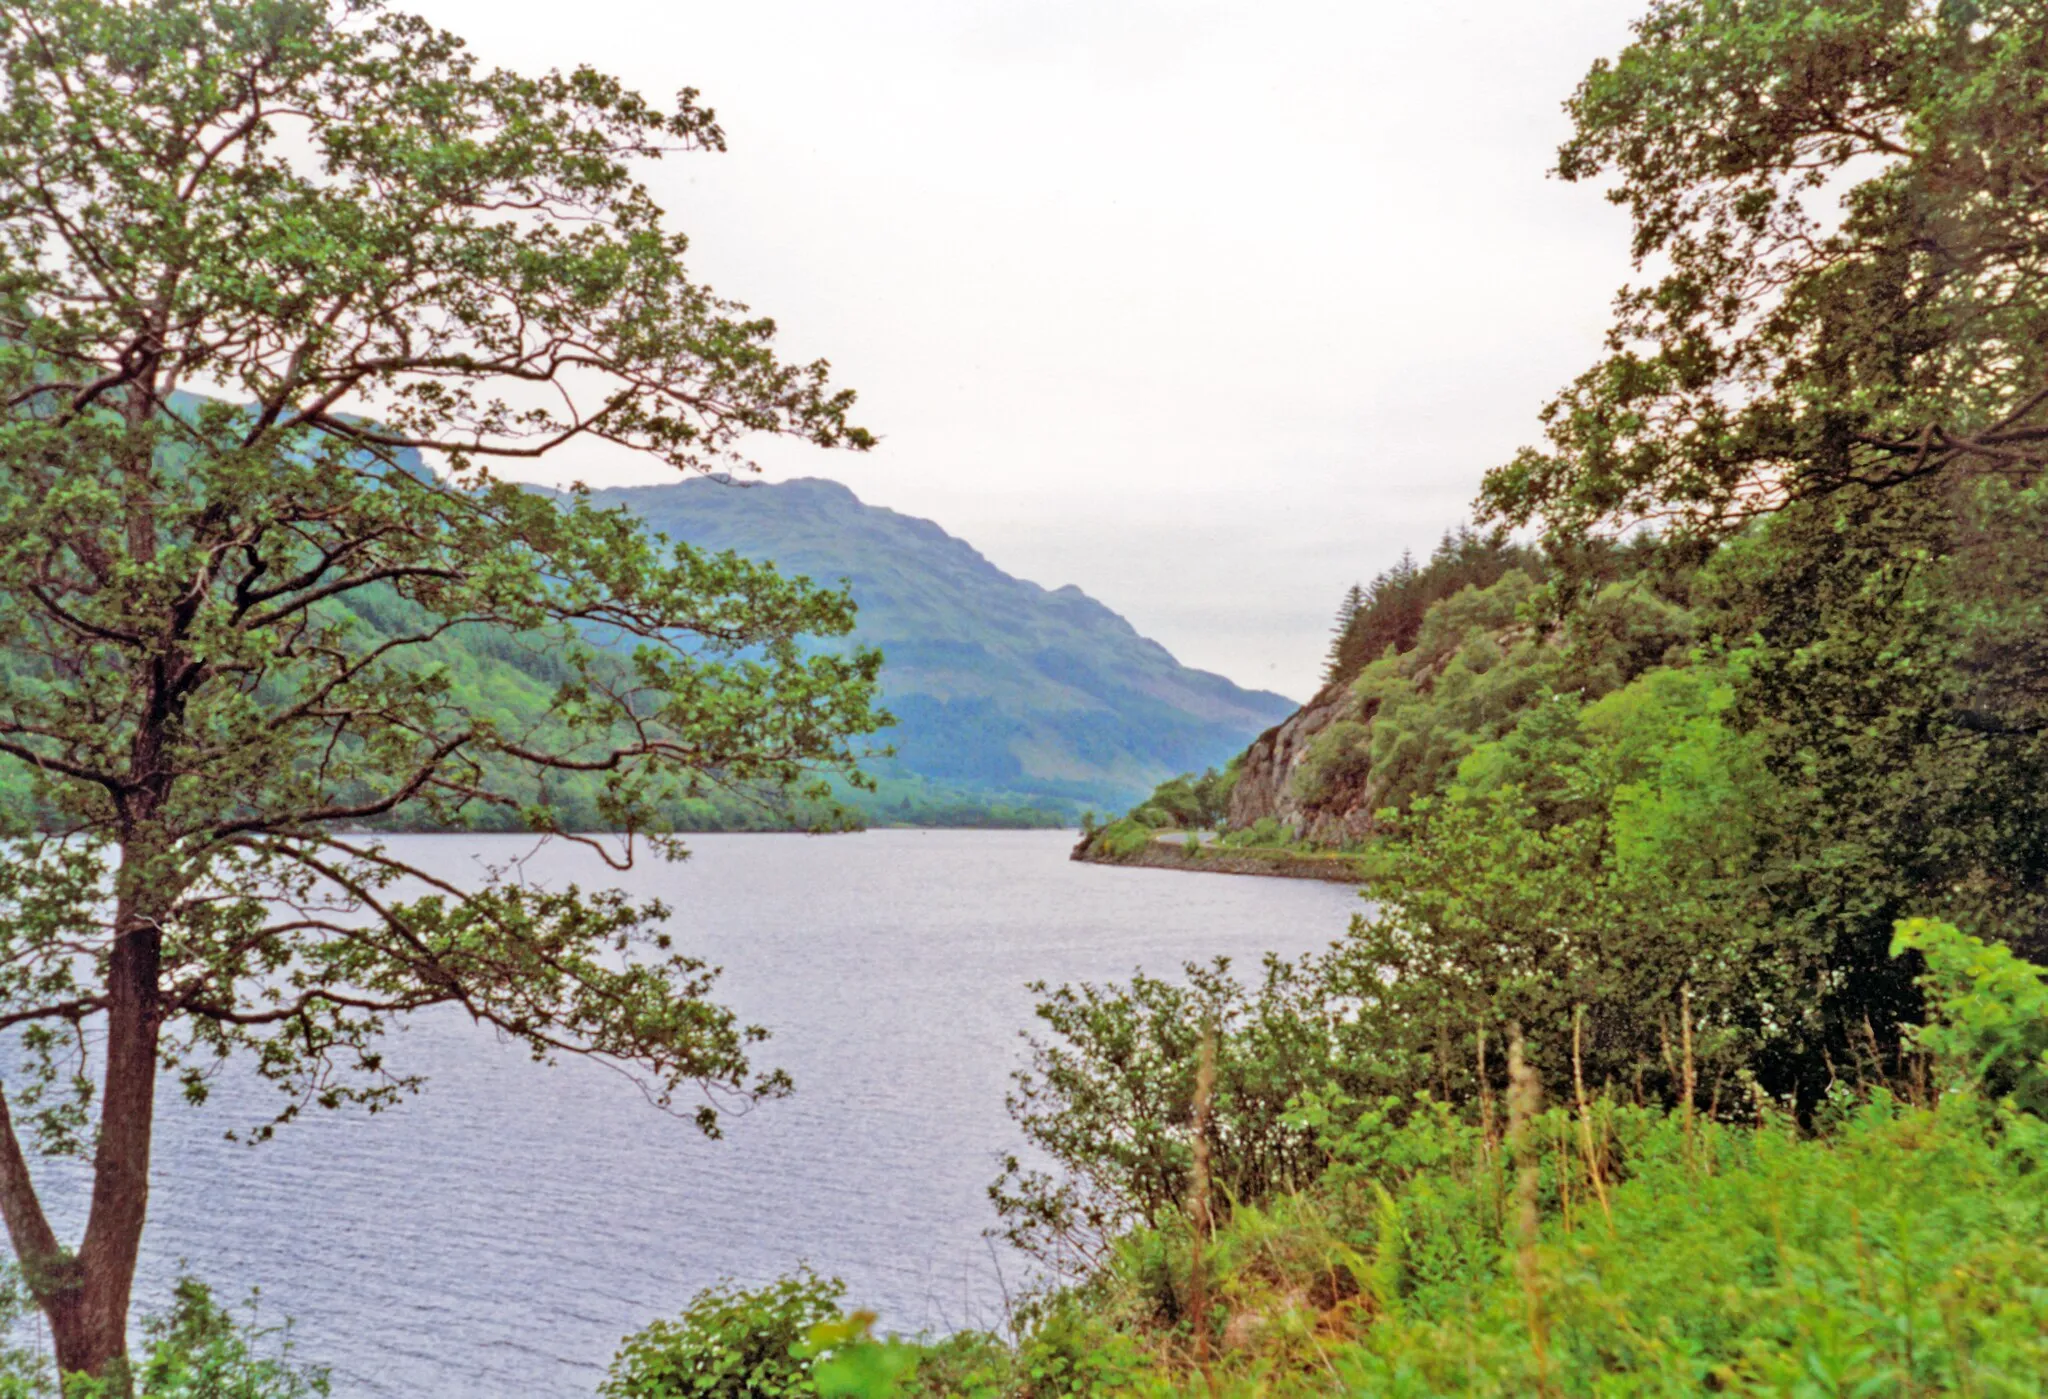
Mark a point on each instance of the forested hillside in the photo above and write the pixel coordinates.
(1716, 813)
(1013, 705)
(1003, 691)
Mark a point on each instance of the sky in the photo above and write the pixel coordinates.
(1211, 309)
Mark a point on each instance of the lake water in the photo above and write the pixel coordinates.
(499, 1234)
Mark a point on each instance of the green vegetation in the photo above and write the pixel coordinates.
(1897, 1244)
(1124, 838)
(1730, 833)
(1389, 614)
(195, 1349)
(1188, 802)
(730, 1344)
(227, 623)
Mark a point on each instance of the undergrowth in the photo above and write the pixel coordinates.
(1894, 1244)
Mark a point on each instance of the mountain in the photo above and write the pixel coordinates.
(1003, 691)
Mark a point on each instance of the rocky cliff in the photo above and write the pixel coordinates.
(1265, 785)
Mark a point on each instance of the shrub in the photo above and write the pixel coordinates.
(1266, 831)
(1336, 762)
(197, 1350)
(731, 1343)
(1120, 840)
(1988, 1009)
(1109, 1100)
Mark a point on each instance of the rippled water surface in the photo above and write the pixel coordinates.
(499, 1234)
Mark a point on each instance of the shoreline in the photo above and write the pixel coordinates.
(1269, 864)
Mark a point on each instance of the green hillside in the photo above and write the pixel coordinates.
(1014, 705)
(1003, 691)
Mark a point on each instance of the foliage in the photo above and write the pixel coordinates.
(1989, 1024)
(1600, 1247)
(1784, 348)
(1189, 801)
(731, 1343)
(24, 1369)
(1347, 616)
(196, 1349)
(1264, 833)
(1726, 783)
(1597, 856)
(1883, 1259)
(221, 619)
(1389, 613)
(1336, 761)
(1121, 839)
(849, 1363)
(1891, 644)
(1108, 1099)
(1481, 660)
(1834, 370)
(1902, 1252)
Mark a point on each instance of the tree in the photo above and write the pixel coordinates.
(1841, 364)
(365, 247)
(1347, 613)
(1595, 856)
(1787, 349)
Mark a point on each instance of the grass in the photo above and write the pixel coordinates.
(1903, 1252)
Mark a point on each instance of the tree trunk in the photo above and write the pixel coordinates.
(50, 1272)
(89, 1318)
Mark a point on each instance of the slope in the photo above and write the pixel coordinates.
(1001, 688)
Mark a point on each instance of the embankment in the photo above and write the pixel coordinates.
(1214, 859)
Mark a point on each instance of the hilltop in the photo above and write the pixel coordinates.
(1003, 690)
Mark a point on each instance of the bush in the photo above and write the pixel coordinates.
(1109, 1100)
(1336, 762)
(1121, 839)
(195, 1350)
(1266, 832)
(731, 1343)
(1190, 802)
(1989, 1012)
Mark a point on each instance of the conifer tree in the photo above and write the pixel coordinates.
(1347, 615)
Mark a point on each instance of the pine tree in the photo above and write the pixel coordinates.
(1347, 614)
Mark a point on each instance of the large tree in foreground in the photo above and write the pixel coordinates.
(1837, 362)
(1840, 203)
(256, 258)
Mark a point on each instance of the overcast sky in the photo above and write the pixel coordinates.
(1211, 309)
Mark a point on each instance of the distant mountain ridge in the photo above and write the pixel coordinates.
(1001, 688)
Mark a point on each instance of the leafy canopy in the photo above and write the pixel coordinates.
(1837, 206)
(280, 281)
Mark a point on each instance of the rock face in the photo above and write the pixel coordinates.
(1265, 786)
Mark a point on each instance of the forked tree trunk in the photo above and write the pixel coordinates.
(97, 1343)
(84, 1297)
